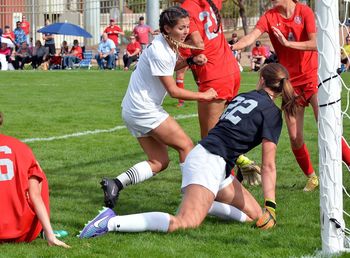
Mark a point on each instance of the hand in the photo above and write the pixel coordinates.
(209, 94)
(250, 174)
(280, 36)
(53, 241)
(268, 219)
(201, 59)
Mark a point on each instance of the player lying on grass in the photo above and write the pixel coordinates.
(250, 119)
(24, 195)
(142, 109)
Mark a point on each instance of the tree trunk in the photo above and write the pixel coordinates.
(243, 16)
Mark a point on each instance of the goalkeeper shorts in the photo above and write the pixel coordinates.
(206, 169)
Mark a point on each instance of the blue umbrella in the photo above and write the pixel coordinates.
(65, 28)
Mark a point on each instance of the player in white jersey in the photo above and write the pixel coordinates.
(142, 111)
(206, 175)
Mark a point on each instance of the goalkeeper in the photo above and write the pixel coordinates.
(207, 184)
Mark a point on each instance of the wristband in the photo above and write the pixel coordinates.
(270, 203)
(190, 61)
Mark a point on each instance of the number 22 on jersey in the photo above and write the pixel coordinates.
(211, 18)
(239, 105)
(6, 165)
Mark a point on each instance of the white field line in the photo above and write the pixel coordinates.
(97, 131)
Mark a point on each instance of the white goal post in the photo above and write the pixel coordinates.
(330, 127)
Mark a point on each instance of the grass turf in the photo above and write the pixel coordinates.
(44, 104)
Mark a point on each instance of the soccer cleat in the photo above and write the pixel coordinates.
(311, 184)
(111, 192)
(99, 225)
(248, 171)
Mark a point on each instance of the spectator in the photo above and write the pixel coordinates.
(20, 35)
(40, 54)
(23, 56)
(25, 27)
(141, 32)
(74, 56)
(106, 50)
(345, 54)
(64, 48)
(8, 33)
(259, 54)
(133, 50)
(113, 31)
(236, 53)
(49, 40)
(5, 53)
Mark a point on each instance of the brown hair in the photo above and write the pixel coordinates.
(217, 14)
(276, 78)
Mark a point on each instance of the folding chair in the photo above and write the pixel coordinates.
(86, 61)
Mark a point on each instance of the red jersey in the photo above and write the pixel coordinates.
(9, 35)
(78, 51)
(221, 62)
(302, 65)
(112, 32)
(25, 26)
(131, 47)
(141, 33)
(17, 165)
(259, 51)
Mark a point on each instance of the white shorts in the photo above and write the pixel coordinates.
(141, 124)
(206, 169)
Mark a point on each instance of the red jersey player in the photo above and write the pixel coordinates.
(24, 195)
(221, 72)
(292, 31)
(113, 31)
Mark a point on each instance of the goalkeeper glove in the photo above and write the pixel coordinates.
(268, 219)
(248, 170)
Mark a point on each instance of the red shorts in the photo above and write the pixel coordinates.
(31, 219)
(305, 92)
(227, 87)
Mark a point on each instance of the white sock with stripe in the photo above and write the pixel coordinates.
(136, 174)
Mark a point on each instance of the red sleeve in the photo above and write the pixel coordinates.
(255, 51)
(138, 45)
(105, 31)
(35, 169)
(309, 17)
(119, 29)
(264, 52)
(262, 24)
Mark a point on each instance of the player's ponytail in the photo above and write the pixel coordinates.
(217, 14)
(276, 77)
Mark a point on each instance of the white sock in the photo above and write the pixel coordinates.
(150, 221)
(227, 212)
(136, 174)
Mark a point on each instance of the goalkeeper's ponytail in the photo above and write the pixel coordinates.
(217, 15)
(276, 78)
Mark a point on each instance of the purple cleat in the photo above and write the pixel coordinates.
(97, 226)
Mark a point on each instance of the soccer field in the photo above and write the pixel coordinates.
(72, 122)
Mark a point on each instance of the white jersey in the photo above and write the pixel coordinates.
(145, 91)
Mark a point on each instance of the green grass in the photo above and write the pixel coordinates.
(43, 104)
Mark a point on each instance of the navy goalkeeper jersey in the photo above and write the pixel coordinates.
(248, 118)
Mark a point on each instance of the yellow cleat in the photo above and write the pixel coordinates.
(312, 184)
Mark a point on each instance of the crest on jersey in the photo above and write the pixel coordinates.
(297, 19)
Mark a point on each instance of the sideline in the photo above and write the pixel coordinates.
(97, 131)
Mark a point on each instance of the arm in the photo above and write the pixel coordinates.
(247, 40)
(176, 92)
(196, 39)
(135, 53)
(302, 45)
(200, 59)
(41, 212)
(268, 169)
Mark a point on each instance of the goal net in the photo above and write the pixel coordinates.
(334, 120)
